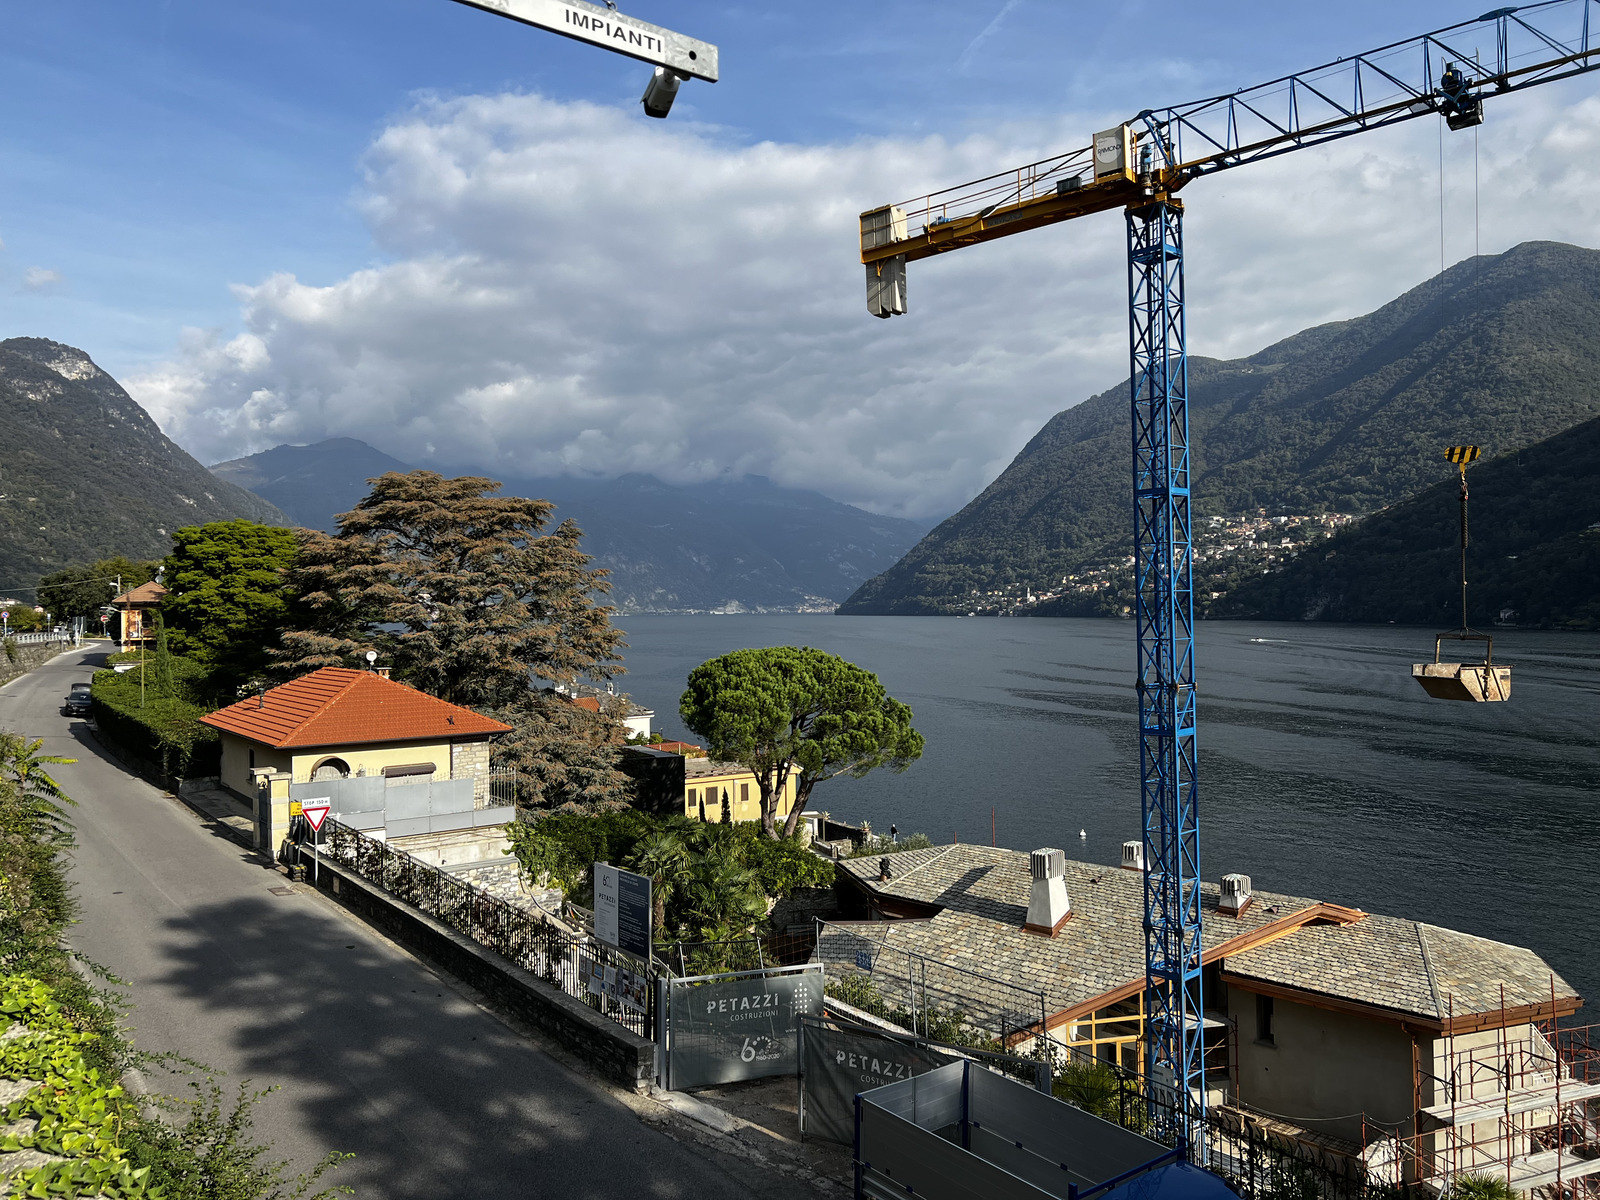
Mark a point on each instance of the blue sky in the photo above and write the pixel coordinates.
(319, 178)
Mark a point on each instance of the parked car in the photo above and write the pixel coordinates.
(77, 701)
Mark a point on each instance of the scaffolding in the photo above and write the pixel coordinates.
(1519, 1103)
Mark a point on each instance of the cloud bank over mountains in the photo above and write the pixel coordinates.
(566, 288)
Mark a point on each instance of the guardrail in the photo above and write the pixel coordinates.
(41, 639)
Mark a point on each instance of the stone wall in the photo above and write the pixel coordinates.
(603, 1044)
(470, 760)
(16, 661)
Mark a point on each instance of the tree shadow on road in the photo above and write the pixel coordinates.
(435, 1097)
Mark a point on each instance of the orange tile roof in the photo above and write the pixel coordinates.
(145, 593)
(592, 703)
(340, 707)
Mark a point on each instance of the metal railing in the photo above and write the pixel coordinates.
(572, 961)
(924, 995)
(502, 788)
(685, 958)
(42, 639)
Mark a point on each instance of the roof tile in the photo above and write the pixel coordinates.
(337, 706)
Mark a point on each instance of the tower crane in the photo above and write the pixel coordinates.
(1139, 167)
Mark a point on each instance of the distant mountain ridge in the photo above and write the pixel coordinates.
(86, 474)
(1345, 417)
(726, 545)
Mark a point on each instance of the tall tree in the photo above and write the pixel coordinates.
(797, 711)
(565, 756)
(464, 591)
(228, 596)
(83, 591)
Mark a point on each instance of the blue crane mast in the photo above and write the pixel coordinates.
(1139, 166)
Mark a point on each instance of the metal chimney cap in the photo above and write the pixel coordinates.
(1048, 863)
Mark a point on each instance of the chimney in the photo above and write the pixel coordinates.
(1048, 905)
(383, 672)
(1133, 856)
(1235, 895)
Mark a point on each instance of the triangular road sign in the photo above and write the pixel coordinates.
(316, 812)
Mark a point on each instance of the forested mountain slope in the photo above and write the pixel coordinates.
(1533, 556)
(86, 474)
(1503, 351)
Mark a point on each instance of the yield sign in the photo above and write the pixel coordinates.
(316, 812)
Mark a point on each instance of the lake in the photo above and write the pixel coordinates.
(1325, 771)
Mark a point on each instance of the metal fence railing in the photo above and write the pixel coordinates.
(611, 983)
(502, 791)
(46, 638)
(684, 958)
(922, 994)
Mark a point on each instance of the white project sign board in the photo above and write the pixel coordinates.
(622, 910)
(607, 28)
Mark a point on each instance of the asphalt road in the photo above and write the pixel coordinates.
(373, 1053)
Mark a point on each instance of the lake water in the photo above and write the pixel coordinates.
(1324, 770)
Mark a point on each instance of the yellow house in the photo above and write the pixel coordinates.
(683, 780)
(338, 723)
(715, 784)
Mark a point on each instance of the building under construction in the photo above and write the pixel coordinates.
(1382, 1050)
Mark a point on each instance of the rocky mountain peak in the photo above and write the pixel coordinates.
(66, 361)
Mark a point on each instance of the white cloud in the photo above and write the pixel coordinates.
(568, 288)
(42, 279)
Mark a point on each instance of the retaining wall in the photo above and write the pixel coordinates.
(606, 1046)
(16, 661)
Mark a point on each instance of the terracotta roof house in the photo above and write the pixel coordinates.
(133, 625)
(338, 723)
(1336, 1025)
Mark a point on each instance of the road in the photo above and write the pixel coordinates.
(373, 1053)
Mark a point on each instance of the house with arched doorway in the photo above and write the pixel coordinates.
(341, 724)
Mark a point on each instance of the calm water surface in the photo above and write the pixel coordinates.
(1325, 771)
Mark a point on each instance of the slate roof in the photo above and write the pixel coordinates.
(1406, 967)
(340, 707)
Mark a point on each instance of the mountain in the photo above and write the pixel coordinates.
(86, 474)
(1346, 417)
(725, 545)
(311, 483)
(1533, 557)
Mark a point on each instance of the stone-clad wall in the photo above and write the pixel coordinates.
(603, 1044)
(470, 760)
(18, 660)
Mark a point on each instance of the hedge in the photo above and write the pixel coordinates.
(166, 730)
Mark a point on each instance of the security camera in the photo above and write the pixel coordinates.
(660, 92)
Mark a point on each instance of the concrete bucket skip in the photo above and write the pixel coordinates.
(1479, 681)
(1464, 681)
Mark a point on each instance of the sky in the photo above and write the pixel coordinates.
(457, 238)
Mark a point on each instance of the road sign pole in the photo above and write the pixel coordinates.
(315, 813)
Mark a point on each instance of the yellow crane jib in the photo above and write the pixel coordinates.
(1113, 172)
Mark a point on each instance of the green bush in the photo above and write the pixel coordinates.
(1482, 1187)
(563, 847)
(883, 844)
